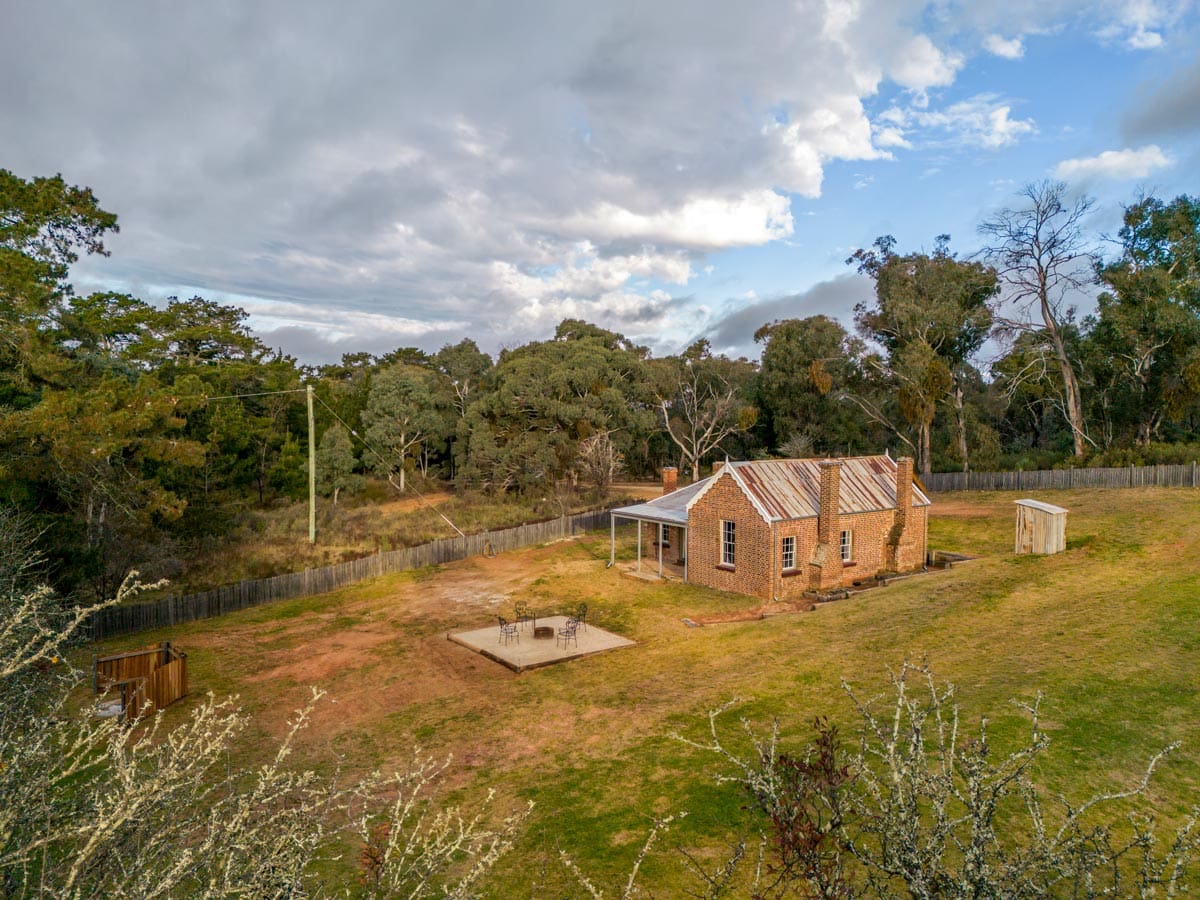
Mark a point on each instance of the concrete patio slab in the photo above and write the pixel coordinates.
(529, 652)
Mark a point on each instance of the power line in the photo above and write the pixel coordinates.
(259, 394)
(383, 459)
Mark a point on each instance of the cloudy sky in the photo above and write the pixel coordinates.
(363, 176)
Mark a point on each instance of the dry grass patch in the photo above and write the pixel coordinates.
(1108, 630)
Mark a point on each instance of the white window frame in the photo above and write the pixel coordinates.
(788, 550)
(728, 542)
(664, 536)
(847, 544)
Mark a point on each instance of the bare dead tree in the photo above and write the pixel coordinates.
(600, 462)
(704, 410)
(1043, 258)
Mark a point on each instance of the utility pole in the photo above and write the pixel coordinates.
(312, 471)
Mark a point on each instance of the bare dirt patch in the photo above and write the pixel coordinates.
(409, 504)
(756, 612)
(377, 654)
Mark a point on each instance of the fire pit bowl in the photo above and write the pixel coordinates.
(543, 632)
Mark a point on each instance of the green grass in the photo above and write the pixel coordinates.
(1109, 631)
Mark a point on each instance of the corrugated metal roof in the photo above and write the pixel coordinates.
(790, 489)
(670, 508)
(1044, 507)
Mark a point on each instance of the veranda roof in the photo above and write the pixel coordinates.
(670, 509)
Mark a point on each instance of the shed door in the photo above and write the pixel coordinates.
(1024, 531)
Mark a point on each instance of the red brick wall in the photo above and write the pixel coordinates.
(759, 554)
(910, 554)
(791, 585)
(753, 556)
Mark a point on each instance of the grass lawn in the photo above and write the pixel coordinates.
(1107, 630)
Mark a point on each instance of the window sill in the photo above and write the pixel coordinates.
(790, 573)
(725, 567)
(849, 565)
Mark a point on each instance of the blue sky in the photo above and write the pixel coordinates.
(364, 176)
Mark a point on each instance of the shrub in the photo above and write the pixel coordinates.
(918, 808)
(94, 808)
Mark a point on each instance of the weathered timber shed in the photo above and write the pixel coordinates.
(1041, 527)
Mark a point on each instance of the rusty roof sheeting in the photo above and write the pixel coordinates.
(791, 488)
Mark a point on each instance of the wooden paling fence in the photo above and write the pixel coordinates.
(134, 617)
(1040, 479)
(148, 679)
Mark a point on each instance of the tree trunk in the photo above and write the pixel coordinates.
(403, 446)
(960, 427)
(1070, 382)
(923, 460)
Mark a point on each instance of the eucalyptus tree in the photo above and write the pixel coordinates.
(1045, 262)
(465, 368)
(1148, 323)
(548, 397)
(931, 313)
(401, 416)
(705, 402)
(337, 462)
(804, 372)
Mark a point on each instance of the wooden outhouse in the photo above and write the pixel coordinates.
(1041, 527)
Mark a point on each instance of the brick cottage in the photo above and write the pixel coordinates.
(778, 528)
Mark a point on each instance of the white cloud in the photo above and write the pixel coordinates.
(1116, 164)
(980, 121)
(919, 64)
(1140, 24)
(416, 160)
(1144, 40)
(710, 223)
(1010, 48)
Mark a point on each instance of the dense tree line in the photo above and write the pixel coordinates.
(128, 429)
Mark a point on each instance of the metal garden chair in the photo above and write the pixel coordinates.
(508, 631)
(568, 633)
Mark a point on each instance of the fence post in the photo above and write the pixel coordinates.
(1193, 473)
(1131, 474)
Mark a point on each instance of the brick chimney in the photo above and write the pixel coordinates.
(828, 531)
(670, 479)
(904, 488)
